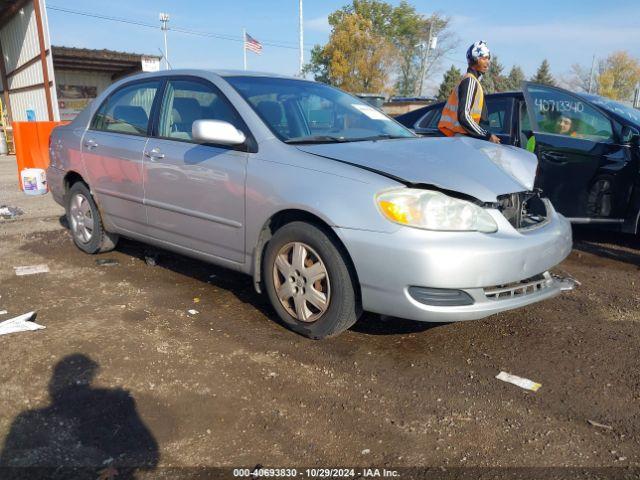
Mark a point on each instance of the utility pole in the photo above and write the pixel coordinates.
(301, 33)
(164, 19)
(593, 64)
(425, 58)
(244, 48)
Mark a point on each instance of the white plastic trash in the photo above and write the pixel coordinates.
(34, 181)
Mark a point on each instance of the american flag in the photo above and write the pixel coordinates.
(252, 44)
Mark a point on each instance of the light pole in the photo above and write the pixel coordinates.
(164, 19)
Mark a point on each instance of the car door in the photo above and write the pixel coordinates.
(581, 164)
(112, 150)
(195, 193)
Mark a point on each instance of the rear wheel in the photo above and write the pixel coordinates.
(308, 281)
(85, 222)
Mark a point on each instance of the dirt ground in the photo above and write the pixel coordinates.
(123, 374)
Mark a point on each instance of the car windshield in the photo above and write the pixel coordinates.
(299, 111)
(624, 111)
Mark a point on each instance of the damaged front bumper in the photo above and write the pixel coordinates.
(452, 276)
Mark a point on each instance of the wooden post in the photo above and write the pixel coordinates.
(43, 58)
(5, 87)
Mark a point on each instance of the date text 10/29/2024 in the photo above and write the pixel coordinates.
(316, 473)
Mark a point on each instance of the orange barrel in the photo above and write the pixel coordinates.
(31, 140)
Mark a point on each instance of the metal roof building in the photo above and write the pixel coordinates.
(40, 82)
(26, 67)
(81, 74)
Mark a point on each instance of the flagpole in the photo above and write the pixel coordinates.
(301, 38)
(244, 47)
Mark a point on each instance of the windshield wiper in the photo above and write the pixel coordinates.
(384, 136)
(315, 139)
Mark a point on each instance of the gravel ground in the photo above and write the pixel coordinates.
(124, 375)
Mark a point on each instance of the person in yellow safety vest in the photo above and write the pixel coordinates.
(465, 109)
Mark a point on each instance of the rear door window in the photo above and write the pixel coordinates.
(424, 121)
(128, 109)
(498, 112)
(435, 120)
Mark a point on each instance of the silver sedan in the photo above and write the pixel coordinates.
(331, 206)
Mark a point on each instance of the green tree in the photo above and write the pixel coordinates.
(494, 81)
(449, 82)
(318, 66)
(407, 34)
(543, 75)
(515, 78)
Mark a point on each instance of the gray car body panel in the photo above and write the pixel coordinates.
(475, 167)
(237, 193)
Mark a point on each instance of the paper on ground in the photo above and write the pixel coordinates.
(31, 269)
(20, 323)
(519, 381)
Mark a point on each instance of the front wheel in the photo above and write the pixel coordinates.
(85, 222)
(308, 281)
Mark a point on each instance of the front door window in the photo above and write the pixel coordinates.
(559, 113)
(186, 101)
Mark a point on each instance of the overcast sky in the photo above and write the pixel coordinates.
(523, 33)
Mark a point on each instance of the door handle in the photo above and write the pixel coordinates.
(553, 157)
(91, 144)
(154, 154)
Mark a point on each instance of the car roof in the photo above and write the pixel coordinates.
(205, 72)
(251, 73)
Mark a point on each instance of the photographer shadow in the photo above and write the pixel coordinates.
(84, 432)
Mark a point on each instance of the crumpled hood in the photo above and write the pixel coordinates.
(474, 167)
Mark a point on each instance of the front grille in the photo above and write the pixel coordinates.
(522, 288)
(523, 210)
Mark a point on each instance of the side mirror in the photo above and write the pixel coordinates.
(216, 131)
(630, 136)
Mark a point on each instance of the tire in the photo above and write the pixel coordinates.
(305, 265)
(85, 222)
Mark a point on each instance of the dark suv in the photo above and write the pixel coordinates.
(588, 148)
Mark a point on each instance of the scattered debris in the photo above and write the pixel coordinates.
(519, 381)
(256, 469)
(193, 312)
(600, 425)
(366, 451)
(151, 258)
(107, 262)
(21, 323)
(213, 275)
(9, 213)
(196, 299)
(31, 269)
(3, 312)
